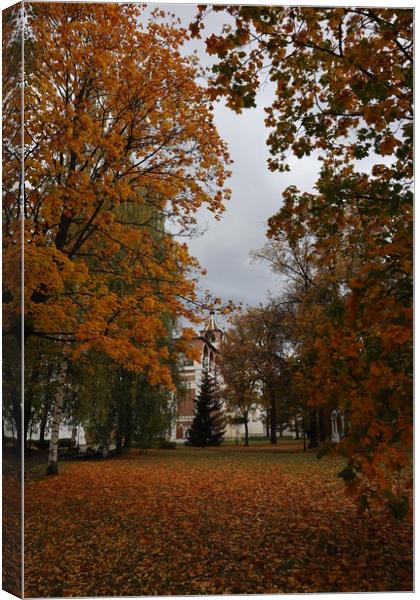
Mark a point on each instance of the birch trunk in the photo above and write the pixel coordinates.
(52, 468)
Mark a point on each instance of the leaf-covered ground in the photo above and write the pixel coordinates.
(225, 520)
(11, 521)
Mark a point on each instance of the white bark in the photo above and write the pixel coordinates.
(55, 426)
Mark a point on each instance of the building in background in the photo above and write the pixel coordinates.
(207, 342)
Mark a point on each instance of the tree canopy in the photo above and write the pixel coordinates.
(120, 152)
(120, 146)
(343, 93)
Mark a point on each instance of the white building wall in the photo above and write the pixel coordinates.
(255, 426)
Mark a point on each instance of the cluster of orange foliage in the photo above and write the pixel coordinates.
(120, 147)
(343, 82)
(211, 522)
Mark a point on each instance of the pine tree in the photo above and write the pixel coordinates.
(207, 428)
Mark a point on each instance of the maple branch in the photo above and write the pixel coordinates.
(389, 25)
(85, 233)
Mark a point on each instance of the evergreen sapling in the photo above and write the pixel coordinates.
(207, 428)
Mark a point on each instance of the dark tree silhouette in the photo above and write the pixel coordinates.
(208, 426)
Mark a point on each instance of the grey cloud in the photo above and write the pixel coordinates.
(256, 192)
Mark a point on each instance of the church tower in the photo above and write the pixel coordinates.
(212, 332)
(207, 342)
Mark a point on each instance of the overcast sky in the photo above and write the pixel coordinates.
(225, 246)
(256, 194)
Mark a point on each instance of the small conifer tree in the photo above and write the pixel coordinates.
(207, 428)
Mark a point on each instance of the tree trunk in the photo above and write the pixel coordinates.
(297, 427)
(121, 426)
(304, 433)
(105, 449)
(273, 416)
(313, 429)
(27, 419)
(128, 434)
(322, 425)
(73, 435)
(119, 439)
(43, 425)
(52, 468)
(17, 417)
(46, 409)
(267, 424)
(246, 431)
(28, 400)
(31, 431)
(128, 413)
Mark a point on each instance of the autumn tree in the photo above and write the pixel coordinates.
(307, 289)
(293, 260)
(343, 92)
(42, 362)
(207, 428)
(12, 68)
(114, 118)
(241, 382)
(268, 333)
(254, 362)
(120, 407)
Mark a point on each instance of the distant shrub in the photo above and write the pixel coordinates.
(237, 420)
(42, 444)
(65, 443)
(166, 445)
